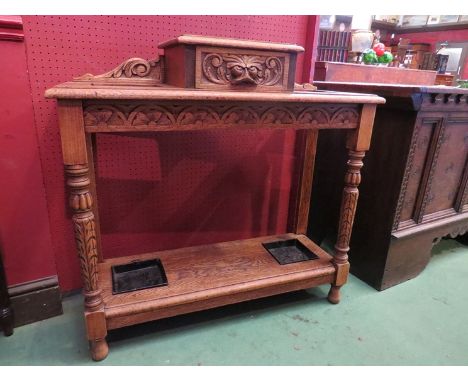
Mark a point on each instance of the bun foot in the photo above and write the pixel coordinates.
(99, 349)
(334, 294)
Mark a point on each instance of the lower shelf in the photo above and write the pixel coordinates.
(213, 275)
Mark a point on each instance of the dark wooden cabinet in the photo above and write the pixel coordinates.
(6, 314)
(414, 188)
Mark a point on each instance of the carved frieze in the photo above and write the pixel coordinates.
(132, 117)
(456, 101)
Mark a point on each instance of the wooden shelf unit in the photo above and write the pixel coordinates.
(212, 275)
(205, 83)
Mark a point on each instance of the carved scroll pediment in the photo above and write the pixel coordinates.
(133, 71)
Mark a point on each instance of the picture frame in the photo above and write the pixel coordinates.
(414, 20)
(444, 19)
(433, 19)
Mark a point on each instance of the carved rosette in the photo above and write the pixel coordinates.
(348, 205)
(234, 69)
(166, 117)
(81, 203)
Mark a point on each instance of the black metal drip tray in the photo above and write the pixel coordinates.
(138, 275)
(289, 251)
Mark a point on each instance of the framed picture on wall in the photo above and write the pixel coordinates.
(414, 20)
(448, 19)
(433, 19)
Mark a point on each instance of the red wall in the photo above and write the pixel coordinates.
(156, 191)
(456, 35)
(25, 237)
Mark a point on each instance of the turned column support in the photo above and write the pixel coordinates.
(80, 180)
(358, 143)
(347, 212)
(81, 203)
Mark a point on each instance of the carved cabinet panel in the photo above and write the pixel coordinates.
(435, 170)
(415, 181)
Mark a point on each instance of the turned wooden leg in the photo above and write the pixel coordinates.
(81, 203)
(99, 349)
(334, 294)
(348, 209)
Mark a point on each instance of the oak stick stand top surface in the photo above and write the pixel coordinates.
(205, 83)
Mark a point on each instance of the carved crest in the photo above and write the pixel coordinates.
(233, 69)
(134, 70)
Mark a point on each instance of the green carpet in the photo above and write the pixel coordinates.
(421, 322)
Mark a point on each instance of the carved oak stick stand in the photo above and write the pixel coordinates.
(245, 84)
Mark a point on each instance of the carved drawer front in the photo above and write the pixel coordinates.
(240, 68)
(229, 64)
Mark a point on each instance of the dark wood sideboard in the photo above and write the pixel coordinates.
(6, 313)
(206, 83)
(414, 188)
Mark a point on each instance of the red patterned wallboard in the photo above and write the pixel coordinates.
(25, 240)
(161, 190)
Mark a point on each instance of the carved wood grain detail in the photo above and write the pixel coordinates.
(347, 212)
(406, 178)
(160, 117)
(133, 71)
(445, 101)
(241, 68)
(81, 203)
(462, 196)
(425, 189)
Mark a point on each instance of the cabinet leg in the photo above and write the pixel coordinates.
(348, 209)
(6, 321)
(96, 330)
(334, 294)
(99, 349)
(81, 203)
